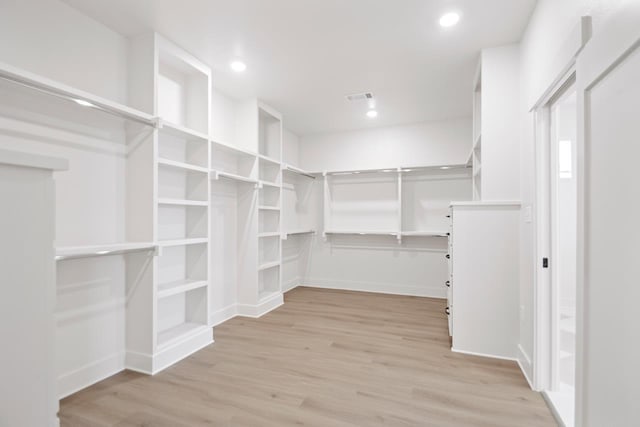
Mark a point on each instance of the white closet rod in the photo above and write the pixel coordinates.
(289, 168)
(67, 93)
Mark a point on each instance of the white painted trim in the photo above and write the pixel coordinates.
(524, 362)
(291, 284)
(138, 362)
(552, 409)
(222, 315)
(492, 356)
(89, 374)
(433, 291)
(261, 309)
(181, 350)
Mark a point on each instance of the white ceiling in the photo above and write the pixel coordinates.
(304, 56)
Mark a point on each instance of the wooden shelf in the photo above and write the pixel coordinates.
(182, 165)
(269, 159)
(180, 202)
(183, 242)
(74, 252)
(268, 265)
(62, 91)
(298, 171)
(424, 233)
(362, 233)
(231, 176)
(297, 233)
(217, 145)
(179, 286)
(181, 131)
(270, 184)
(178, 333)
(270, 234)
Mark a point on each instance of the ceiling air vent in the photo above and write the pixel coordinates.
(366, 96)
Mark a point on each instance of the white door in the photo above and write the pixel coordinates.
(608, 83)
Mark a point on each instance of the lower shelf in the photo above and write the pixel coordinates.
(179, 332)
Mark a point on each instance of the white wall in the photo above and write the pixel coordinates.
(551, 24)
(379, 264)
(54, 40)
(429, 143)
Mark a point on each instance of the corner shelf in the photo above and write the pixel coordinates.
(75, 252)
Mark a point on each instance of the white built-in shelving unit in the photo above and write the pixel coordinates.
(400, 202)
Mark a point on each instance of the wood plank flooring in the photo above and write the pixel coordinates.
(325, 358)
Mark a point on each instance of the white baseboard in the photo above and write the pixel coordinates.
(290, 284)
(492, 356)
(91, 373)
(222, 315)
(261, 309)
(181, 349)
(139, 362)
(438, 291)
(525, 365)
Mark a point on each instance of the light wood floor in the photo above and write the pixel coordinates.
(325, 358)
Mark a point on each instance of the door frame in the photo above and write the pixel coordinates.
(542, 313)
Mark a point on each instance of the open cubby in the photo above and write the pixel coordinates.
(269, 249)
(367, 202)
(268, 221)
(182, 184)
(180, 314)
(269, 196)
(226, 159)
(270, 171)
(182, 222)
(182, 149)
(269, 135)
(182, 263)
(182, 90)
(268, 282)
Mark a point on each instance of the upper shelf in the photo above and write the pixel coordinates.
(181, 131)
(218, 145)
(215, 175)
(434, 169)
(80, 100)
(293, 169)
(74, 252)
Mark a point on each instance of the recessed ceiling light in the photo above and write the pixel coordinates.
(449, 19)
(83, 103)
(372, 114)
(238, 66)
